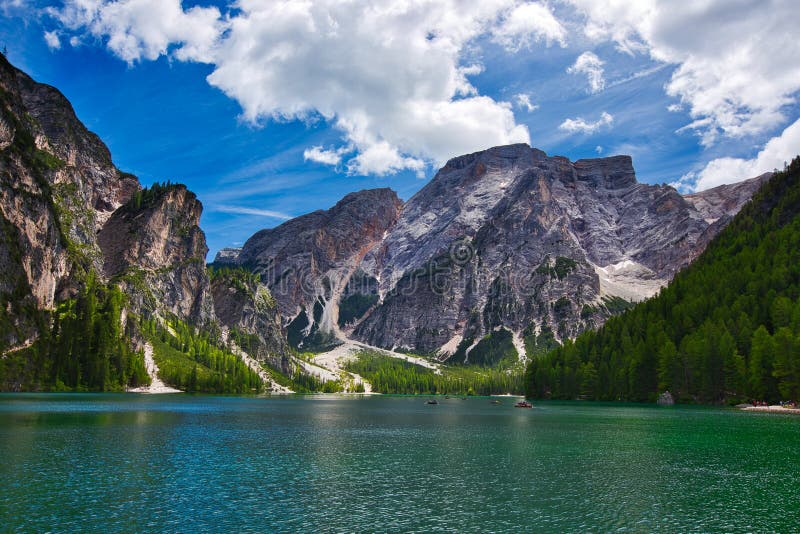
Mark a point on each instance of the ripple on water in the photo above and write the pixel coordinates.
(122, 463)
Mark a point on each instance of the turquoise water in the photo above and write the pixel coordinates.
(187, 463)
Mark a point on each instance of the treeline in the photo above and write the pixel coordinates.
(148, 196)
(726, 329)
(85, 350)
(196, 362)
(393, 375)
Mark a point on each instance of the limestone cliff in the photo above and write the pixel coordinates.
(68, 214)
(504, 239)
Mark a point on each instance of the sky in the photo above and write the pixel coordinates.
(271, 109)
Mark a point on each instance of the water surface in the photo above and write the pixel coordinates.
(86, 462)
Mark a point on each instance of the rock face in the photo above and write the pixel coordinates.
(507, 238)
(57, 188)
(67, 211)
(157, 250)
(725, 201)
(227, 256)
(248, 310)
(307, 262)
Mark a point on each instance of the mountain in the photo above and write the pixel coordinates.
(88, 257)
(500, 248)
(726, 329)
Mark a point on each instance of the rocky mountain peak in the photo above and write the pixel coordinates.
(615, 172)
(507, 238)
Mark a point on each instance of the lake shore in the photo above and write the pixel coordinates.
(775, 408)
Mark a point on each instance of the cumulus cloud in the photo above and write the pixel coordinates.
(776, 152)
(387, 74)
(526, 23)
(592, 66)
(52, 40)
(580, 125)
(319, 154)
(736, 62)
(146, 29)
(524, 101)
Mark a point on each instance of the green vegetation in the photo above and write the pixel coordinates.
(86, 349)
(315, 340)
(726, 329)
(494, 349)
(560, 269)
(196, 362)
(392, 375)
(354, 307)
(149, 196)
(238, 277)
(541, 344)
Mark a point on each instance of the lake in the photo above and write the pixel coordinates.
(117, 462)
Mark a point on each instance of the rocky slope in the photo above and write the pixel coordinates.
(505, 239)
(308, 262)
(68, 215)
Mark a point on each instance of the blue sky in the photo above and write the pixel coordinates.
(137, 73)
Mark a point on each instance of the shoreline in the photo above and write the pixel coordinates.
(775, 408)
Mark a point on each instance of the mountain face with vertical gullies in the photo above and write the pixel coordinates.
(70, 218)
(507, 242)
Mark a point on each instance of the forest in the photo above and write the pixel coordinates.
(85, 350)
(194, 361)
(393, 375)
(725, 330)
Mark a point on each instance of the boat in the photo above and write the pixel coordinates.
(523, 404)
(495, 402)
(432, 401)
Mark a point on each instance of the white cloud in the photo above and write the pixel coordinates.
(583, 126)
(52, 40)
(526, 23)
(387, 74)
(243, 210)
(318, 154)
(599, 149)
(737, 63)
(776, 152)
(146, 29)
(592, 66)
(524, 102)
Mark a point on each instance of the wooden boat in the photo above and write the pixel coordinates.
(523, 404)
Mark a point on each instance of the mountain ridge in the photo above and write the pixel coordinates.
(611, 237)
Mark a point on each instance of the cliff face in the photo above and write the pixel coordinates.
(307, 262)
(507, 238)
(155, 248)
(67, 212)
(57, 188)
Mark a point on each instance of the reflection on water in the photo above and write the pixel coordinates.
(128, 462)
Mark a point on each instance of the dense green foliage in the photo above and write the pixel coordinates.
(393, 375)
(149, 196)
(494, 349)
(196, 362)
(355, 306)
(726, 329)
(86, 349)
(238, 277)
(560, 268)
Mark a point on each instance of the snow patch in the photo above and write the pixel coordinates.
(629, 280)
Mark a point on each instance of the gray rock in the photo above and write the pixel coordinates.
(227, 256)
(504, 238)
